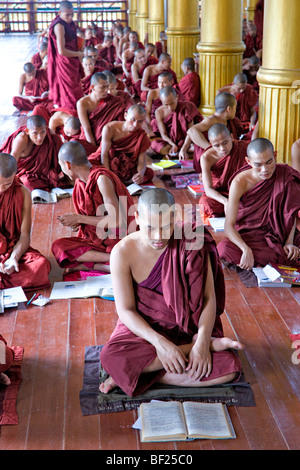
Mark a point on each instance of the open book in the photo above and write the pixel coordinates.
(217, 223)
(93, 286)
(176, 421)
(135, 189)
(39, 196)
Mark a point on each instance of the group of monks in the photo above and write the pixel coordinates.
(110, 104)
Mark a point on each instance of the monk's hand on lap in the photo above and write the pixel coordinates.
(69, 220)
(171, 356)
(10, 266)
(247, 260)
(200, 363)
(137, 178)
(292, 252)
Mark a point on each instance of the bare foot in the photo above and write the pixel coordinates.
(4, 379)
(108, 385)
(221, 344)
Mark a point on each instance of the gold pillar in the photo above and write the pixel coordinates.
(183, 31)
(132, 9)
(250, 9)
(156, 21)
(279, 76)
(221, 48)
(142, 18)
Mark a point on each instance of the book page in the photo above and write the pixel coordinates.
(39, 195)
(68, 290)
(162, 419)
(206, 419)
(95, 284)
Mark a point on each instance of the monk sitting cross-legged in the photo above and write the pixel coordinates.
(151, 73)
(101, 217)
(123, 148)
(261, 215)
(34, 84)
(219, 163)
(169, 305)
(20, 265)
(35, 149)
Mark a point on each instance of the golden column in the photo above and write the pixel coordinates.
(132, 9)
(183, 31)
(250, 9)
(142, 18)
(156, 22)
(221, 48)
(279, 76)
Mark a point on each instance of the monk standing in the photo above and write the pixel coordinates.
(64, 67)
(97, 192)
(264, 200)
(169, 328)
(20, 265)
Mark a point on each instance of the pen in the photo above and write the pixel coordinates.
(29, 301)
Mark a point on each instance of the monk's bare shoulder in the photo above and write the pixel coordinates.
(125, 251)
(210, 157)
(243, 182)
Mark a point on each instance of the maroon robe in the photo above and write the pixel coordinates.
(110, 109)
(87, 200)
(108, 54)
(36, 60)
(170, 300)
(265, 218)
(176, 124)
(221, 173)
(124, 154)
(35, 87)
(86, 81)
(245, 101)
(64, 73)
(153, 82)
(189, 87)
(40, 169)
(9, 356)
(33, 267)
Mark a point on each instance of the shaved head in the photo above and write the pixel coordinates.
(223, 100)
(258, 146)
(164, 56)
(156, 200)
(240, 78)
(35, 121)
(8, 165)
(189, 63)
(218, 129)
(73, 123)
(29, 67)
(65, 6)
(74, 153)
(111, 78)
(136, 107)
(97, 77)
(167, 91)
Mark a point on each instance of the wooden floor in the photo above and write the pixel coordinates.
(54, 338)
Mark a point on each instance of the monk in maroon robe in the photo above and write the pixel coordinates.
(20, 265)
(108, 51)
(261, 215)
(219, 163)
(37, 59)
(64, 67)
(36, 150)
(152, 72)
(34, 85)
(97, 191)
(189, 85)
(164, 333)
(172, 121)
(6, 362)
(123, 148)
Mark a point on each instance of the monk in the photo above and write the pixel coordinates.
(89, 39)
(88, 65)
(172, 121)
(253, 43)
(35, 149)
(97, 192)
(169, 329)
(33, 88)
(37, 59)
(261, 215)
(219, 163)
(97, 109)
(108, 50)
(8, 360)
(189, 85)
(246, 98)
(225, 110)
(151, 73)
(61, 122)
(115, 91)
(20, 265)
(137, 70)
(64, 66)
(123, 148)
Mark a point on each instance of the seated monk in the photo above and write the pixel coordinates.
(189, 85)
(89, 39)
(37, 59)
(172, 121)
(138, 67)
(252, 42)
(219, 163)
(35, 149)
(98, 205)
(225, 109)
(20, 265)
(6, 363)
(169, 328)
(100, 64)
(88, 65)
(97, 109)
(115, 91)
(123, 148)
(151, 73)
(128, 57)
(295, 153)
(250, 68)
(151, 53)
(246, 98)
(34, 83)
(261, 215)
(108, 51)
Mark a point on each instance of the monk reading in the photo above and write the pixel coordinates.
(123, 148)
(35, 149)
(246, 97)
(189, 85)
(64, 67)
(151, 73)
(172, 121)
(219, 163)
(97, 109)
(264, 200)
(169, 328)
(20, 265)
(33, 88)
(101, 217)
(37, 59)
